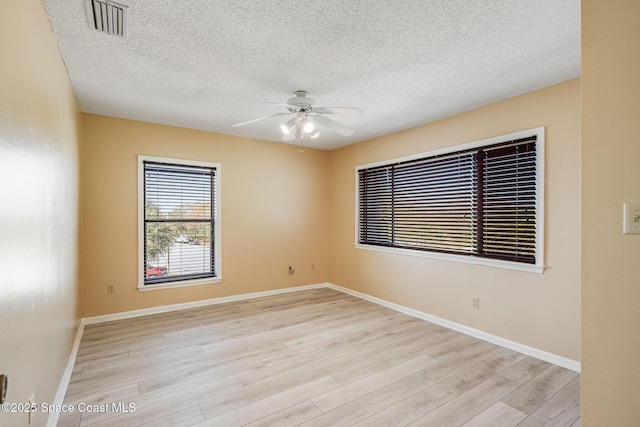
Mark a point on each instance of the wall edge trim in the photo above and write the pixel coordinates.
(564, 362)
(52, 420)
(195, 304)
(546, 356)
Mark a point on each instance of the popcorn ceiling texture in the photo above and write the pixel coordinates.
(209, 64)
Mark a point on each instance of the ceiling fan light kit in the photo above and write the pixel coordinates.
(307, 115)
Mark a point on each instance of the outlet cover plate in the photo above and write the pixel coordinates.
(631, 222)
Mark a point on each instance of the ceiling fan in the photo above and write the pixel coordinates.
(306, 116)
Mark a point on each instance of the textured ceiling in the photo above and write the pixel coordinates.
(209, 64)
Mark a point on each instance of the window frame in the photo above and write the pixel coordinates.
(216, 244)
(539, 265)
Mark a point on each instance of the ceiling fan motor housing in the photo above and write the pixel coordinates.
(302, 101)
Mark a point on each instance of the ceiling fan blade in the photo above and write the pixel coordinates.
(338, 110)
(289, 136)
(259, 119)
(333, 125)
(293, 107)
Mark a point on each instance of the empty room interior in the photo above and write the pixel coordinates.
(319, 213)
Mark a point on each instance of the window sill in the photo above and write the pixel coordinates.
(530, 268)
(182, 284)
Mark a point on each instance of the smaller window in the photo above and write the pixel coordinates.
(480, 202)
(179, 223)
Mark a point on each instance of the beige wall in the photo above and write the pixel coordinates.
(39, 168)
(539, 310)
(610, 177)
(274, 212)
(281, 202)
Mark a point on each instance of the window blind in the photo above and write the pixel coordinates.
(179, 222)
(509, 201)
(479, 202)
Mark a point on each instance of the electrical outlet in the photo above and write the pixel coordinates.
(290, 270)
(475, 303)
(111, 289)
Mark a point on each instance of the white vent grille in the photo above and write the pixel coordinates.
(108, 17)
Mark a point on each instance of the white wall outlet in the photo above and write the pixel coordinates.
(475, 303)
(631, 221)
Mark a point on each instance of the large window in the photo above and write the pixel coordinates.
(480, 202)
(179, 223)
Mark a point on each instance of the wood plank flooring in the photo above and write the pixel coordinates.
(309, 358)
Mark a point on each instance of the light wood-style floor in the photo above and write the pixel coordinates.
(310, 358)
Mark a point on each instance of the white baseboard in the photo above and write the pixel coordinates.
(52, 421)
(573, 365)
(66, 376)
(195, 304)
(512, 345)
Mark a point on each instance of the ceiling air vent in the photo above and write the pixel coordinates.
(108, 17)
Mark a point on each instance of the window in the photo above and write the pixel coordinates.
(179, 227)
(480, 202)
